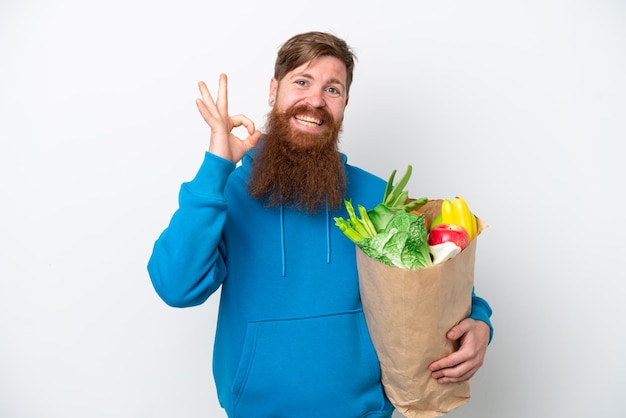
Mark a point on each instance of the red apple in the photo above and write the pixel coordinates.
(449, 233)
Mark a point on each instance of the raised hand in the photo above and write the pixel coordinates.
(215, 113)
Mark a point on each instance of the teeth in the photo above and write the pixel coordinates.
(309, 121)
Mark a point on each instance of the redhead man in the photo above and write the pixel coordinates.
(291, 338)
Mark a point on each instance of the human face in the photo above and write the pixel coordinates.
(318, 84)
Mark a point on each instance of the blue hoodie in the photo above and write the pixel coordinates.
(291, 338)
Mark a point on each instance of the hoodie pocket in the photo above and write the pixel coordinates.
(323, 366)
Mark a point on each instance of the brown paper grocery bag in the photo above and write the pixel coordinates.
(408, 313)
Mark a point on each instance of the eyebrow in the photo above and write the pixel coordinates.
(310, 77)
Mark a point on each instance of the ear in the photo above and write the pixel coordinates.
(346, 103)
(273, 90)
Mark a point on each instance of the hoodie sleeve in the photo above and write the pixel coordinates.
(482, 312)
(187, 261)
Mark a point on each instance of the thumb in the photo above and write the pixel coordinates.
(458, 330)
(254, 138)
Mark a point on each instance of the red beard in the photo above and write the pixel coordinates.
(298, 169)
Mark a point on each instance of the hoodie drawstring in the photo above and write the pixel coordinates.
(327, 234)
(282, 238)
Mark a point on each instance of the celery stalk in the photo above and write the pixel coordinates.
(348, 230)
(357, 224)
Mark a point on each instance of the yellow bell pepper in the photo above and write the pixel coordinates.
(448, 213)
(464, 216)
(457, 212)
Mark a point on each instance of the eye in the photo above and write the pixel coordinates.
(334, 91)
(301, 82)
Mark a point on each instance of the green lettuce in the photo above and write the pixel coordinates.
(389, 232)
(403, 243)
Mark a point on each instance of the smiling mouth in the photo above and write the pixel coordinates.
(309, 121)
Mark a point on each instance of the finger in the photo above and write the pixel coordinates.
(205, 112)
(205, 93)
(447, 362)
(457, 371)
(458, 330)
(222, 95)
(253, 139)
(242, 120)
(453, 379)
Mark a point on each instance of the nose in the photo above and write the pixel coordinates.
(316, 99)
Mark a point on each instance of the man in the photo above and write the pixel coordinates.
(291, 338)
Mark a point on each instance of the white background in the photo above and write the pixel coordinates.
(518, 106)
